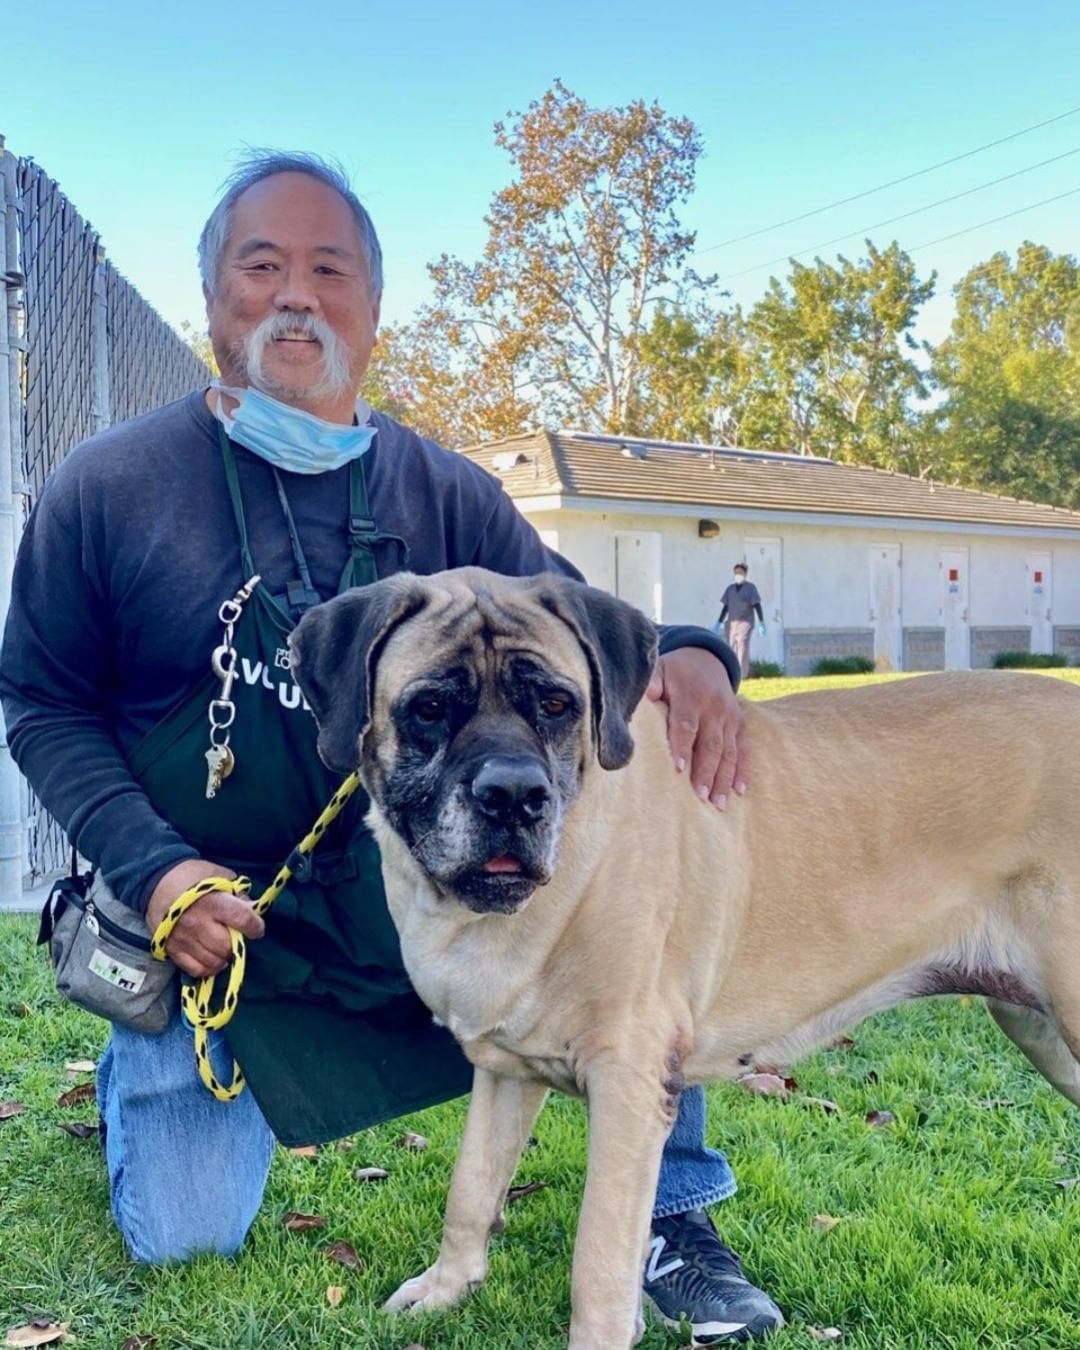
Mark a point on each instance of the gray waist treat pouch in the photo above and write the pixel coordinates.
(100, 952)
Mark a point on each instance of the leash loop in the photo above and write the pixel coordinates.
(197, 997)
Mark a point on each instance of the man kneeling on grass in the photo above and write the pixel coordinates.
(276, 488)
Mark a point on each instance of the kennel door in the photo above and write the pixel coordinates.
(638, 578)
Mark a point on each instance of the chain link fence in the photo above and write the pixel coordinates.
(83, 350)
(148, 365)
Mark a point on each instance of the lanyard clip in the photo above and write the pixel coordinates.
(301, 865)
(362, 527)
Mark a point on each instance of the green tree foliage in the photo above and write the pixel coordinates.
(693, 374)
(830, 362)
(1010, 373)
(198, 339)
(823, 364)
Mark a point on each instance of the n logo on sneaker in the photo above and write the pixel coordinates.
(653, 1269)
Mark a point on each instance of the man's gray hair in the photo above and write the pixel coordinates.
(252, 168)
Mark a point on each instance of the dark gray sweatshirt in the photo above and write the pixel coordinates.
(127, 556)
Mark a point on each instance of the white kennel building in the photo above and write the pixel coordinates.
(914, 574)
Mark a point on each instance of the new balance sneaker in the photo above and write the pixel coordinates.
(692, 1278)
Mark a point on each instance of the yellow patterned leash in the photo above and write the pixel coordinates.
(197, 996)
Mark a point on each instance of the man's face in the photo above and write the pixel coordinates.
(294, 252)
(739, 578)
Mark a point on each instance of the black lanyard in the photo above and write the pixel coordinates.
(361, 568)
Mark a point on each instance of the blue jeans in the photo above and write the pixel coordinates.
(187, 1172)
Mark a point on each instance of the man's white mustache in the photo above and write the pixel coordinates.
(335, 354)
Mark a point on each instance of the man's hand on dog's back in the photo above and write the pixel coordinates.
(706, 726)
(200, 943)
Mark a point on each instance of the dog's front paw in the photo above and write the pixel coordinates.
(436, 1288)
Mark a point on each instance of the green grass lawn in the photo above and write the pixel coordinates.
(955, 1231)
(778, 688)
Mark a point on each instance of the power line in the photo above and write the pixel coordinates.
(844, 201)
(905, 215)
(1007, 216)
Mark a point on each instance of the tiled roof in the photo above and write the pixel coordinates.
(581, 465)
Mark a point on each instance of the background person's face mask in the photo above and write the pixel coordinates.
(288, 437)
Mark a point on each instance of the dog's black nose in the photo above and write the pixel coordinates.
(511, 791)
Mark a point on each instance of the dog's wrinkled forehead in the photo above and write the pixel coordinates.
(472, 618)
(354, 654)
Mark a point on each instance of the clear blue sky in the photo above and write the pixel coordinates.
(137, 109)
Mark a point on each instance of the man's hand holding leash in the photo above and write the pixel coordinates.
(200, 943)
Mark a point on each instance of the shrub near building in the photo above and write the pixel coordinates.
(844, 665)
(1030, 660)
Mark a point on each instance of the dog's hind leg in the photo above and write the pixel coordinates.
(501, 1116)
(1037, 1035)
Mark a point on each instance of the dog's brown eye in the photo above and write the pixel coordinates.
(554, 707)
(428, 709)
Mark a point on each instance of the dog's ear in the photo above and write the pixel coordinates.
(333, 651)
(620, 644)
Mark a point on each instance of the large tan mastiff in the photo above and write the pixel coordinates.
(580, 920)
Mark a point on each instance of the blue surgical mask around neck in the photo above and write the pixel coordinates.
(288, 437)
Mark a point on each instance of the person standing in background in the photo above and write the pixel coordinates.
(738, 605)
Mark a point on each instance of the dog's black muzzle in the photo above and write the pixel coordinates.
(512, 791)
(512, 799)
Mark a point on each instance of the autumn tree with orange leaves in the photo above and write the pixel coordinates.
(547, 325)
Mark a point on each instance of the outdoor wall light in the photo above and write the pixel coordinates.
(708, 529)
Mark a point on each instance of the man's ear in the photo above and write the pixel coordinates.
(620, 644)
(334, 650)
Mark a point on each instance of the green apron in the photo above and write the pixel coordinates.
(329, 1032)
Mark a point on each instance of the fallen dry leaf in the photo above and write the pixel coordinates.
(78, 1129)
(830, 1108)
(334, 1294)
(371, 1174)
(75, 1066)
(38, 1332)
(344, 1253)
(9, 1109)
(879, 1118)
(345, 1144)
(823, 1223)
(300, 1223)
(139, 1343)
(520, 1192)
(780, 1072)
(415, 1346)
(416, 1143)
(825, 1333)
(840, 1043)
(85, 1092)
(1067, 1183)
(765, 1084)
(305, 1151)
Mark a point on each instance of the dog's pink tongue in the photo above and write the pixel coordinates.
(506, 862)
